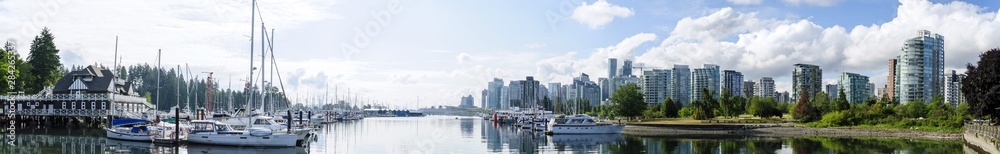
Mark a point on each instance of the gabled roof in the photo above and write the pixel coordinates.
(100, 81)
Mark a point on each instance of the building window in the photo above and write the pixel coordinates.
(63, 105)
(73, 105)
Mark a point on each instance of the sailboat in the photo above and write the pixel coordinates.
(219, 133)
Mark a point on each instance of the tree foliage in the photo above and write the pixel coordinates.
(670, 109)
(841, 103)
(764, 107)
(981, 85)
(804, 111)
(628, 101)
(704, 108)
(44, 62)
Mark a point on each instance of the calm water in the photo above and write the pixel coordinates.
(439, 134)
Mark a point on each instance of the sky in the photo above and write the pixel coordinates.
(406, 54)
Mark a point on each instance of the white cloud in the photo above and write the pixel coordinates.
(405, 79)
(463, 57)
(746, 2)
(813, 2)
(564, 67)
(599, 13)
(770, 47)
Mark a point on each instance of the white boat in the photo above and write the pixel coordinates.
(268, 123)
(218, 133)
(131, 130)
(581, 124)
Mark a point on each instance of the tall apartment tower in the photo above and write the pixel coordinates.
(681, 84)
(764, 88)
(806, 77)
(890, 87)
(706, 77)
(732, 81)
(656, 85)
(855, 86)
(626, 68)
(612, 67)
(920, 68)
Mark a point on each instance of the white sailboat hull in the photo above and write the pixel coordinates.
(276, 140)
(112, 134)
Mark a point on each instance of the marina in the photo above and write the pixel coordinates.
(456, 134)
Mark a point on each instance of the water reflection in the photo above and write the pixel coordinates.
(458, 135)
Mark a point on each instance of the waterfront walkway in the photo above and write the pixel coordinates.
(984, 136)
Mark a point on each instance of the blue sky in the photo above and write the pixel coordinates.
(442, 50)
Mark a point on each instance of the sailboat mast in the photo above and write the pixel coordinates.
(253, 12)
(158, 69)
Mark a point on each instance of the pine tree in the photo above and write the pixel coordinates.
(44, 61)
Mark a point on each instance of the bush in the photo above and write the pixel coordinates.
(684, 112)
(836, 118)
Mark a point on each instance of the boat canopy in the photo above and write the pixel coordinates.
(128, 121)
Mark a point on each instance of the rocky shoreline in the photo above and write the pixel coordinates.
(777, 131)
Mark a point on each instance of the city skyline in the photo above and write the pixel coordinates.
(553, 42)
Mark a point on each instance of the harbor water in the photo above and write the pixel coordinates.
(450, 134)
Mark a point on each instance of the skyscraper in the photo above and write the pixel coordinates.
(748, 88)
(855, 87)
(656, 85)
(514, 95)
(920, 68)
(605, 85)
(681, 83)
(705, 78)
(806, 77)
(953, 88)
(733, 81)
(890, 85)
(495, 94)
(612, 67)
(764, 88)
(626, 68)
(482, 99)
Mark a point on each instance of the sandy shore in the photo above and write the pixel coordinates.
(685, 131)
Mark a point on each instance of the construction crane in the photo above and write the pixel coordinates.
(209, 86)
(642, 68)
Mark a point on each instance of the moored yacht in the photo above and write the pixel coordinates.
(218, 133)
(581, 124)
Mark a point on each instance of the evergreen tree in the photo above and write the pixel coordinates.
(670, 109)
(44, 61)
(841, 103)
(805, 112)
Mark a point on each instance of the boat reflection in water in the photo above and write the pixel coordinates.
(214, 149)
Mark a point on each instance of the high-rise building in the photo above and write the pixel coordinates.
(681, 84)
(504, 103)
(806, 77)
(732, 81)
(748, 88)
(585, 89)
(920, 68)
(872, 90)
(656, 85)
(605, 85)
(953, 88)
(556, 94)
(705, 78)
(890, 85)
(626, 68)
(482, 99)
(466, 101)
(855, 87)
(495, 96)
(764, 88)
(831, 91)
(529, 92)
(514, 95)
(612, 67)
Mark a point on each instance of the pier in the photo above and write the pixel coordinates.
(82, 98)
